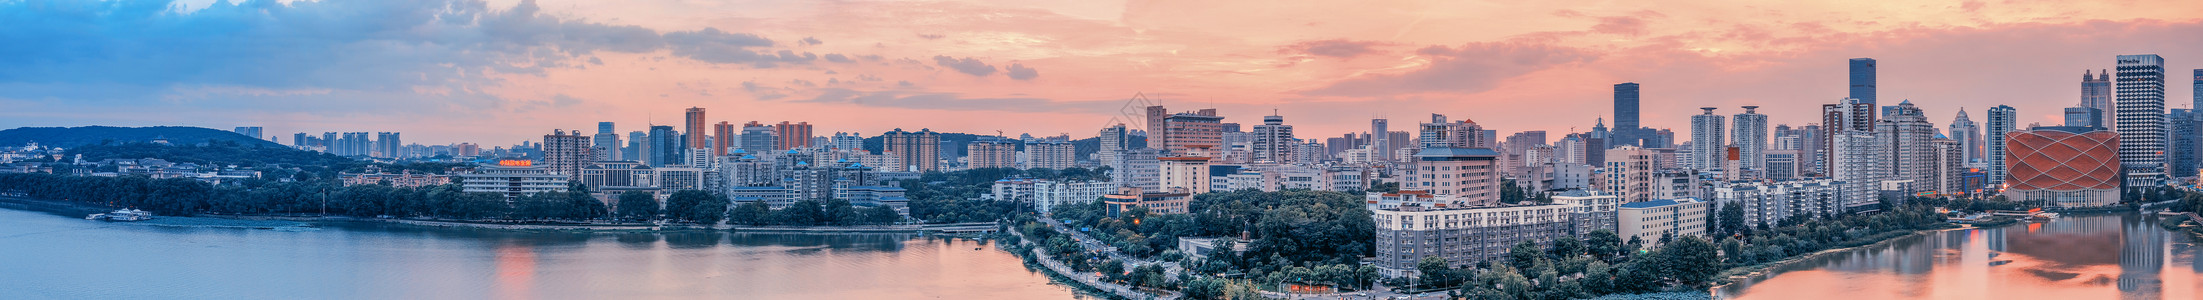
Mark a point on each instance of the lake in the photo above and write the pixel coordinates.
(50, 256)
(2089, 257)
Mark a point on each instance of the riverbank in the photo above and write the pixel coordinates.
(1730, 276)
(294, 221)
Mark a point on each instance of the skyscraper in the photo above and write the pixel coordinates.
(2183, 127)
(1750, 138)
(1911, 151)
(1626, 125)
(1862, 80)
(1273, 140)
(2001, 121)
(639, 149)
(1380, 143)
(695, 129)
(565, 153)
(1706, 141)
(607, 143)
(792, 135)
(1968, 135)
(2096, 93)
(2140, 94)
(918, 151)
(665, 146)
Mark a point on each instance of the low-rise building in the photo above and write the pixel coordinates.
(1769, 203)
(1594, 210)
(1463, 236)
(1156, 203)
(512, 178)
(1650, 220)
(402, 179)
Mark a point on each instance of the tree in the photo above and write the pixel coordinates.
(1690, 260)
(1524, 254)
(1731, 218)
(1566, 247)
(839, 212)
(1437, 272)
(752, 213)
(637, 205)
(696, 206)
(1604, 244)
(882, 215)
(1510, 193)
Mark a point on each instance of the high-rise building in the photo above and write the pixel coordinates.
(917, 151)
(758, 138)
(1628, 173)
(2096, 93)
(1706, 141)
(1750, 139)
(1379, 141)
(1862, 80)
(2184, 127)
(2083, 116)
(1948, 165)
(1856, 160)
(638, 149)
(1851, 114)
(665, 146)
(607, 141)
(695, 129)
(1155, 130)
(991, 152)
(1627, 129)
(387, 145)
(1200, 128)
(1114, 142)
(2002, 120)
(848, 141)
(724, 136)
(1187, 173)
(1440, 133)
(791, 136)
(1905, 130)
(1273, 140)
(1968, 135)
(1051, 154)
(566, 153)
(2139, 91)
(251, 131)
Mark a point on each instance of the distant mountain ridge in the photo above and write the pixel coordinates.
(93, 135)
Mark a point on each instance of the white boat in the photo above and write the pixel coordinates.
(122, 215)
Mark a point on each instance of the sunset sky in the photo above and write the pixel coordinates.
(499, 72)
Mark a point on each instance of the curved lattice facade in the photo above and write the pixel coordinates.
(2062, 167)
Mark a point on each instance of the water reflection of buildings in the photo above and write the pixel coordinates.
(2141, 258)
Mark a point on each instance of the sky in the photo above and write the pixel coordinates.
(505, 71)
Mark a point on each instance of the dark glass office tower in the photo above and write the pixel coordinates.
(1862, 79)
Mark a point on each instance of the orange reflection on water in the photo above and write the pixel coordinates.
(515, 272)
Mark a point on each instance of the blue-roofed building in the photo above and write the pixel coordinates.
(1648, 221)
(871, 196)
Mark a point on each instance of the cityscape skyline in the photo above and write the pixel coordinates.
(1328, 80)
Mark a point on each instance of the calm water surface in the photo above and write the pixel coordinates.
(49, 256)
(2095, 257)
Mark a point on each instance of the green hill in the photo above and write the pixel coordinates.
(67, 137)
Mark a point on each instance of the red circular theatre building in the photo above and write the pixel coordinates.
(2065, 166)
